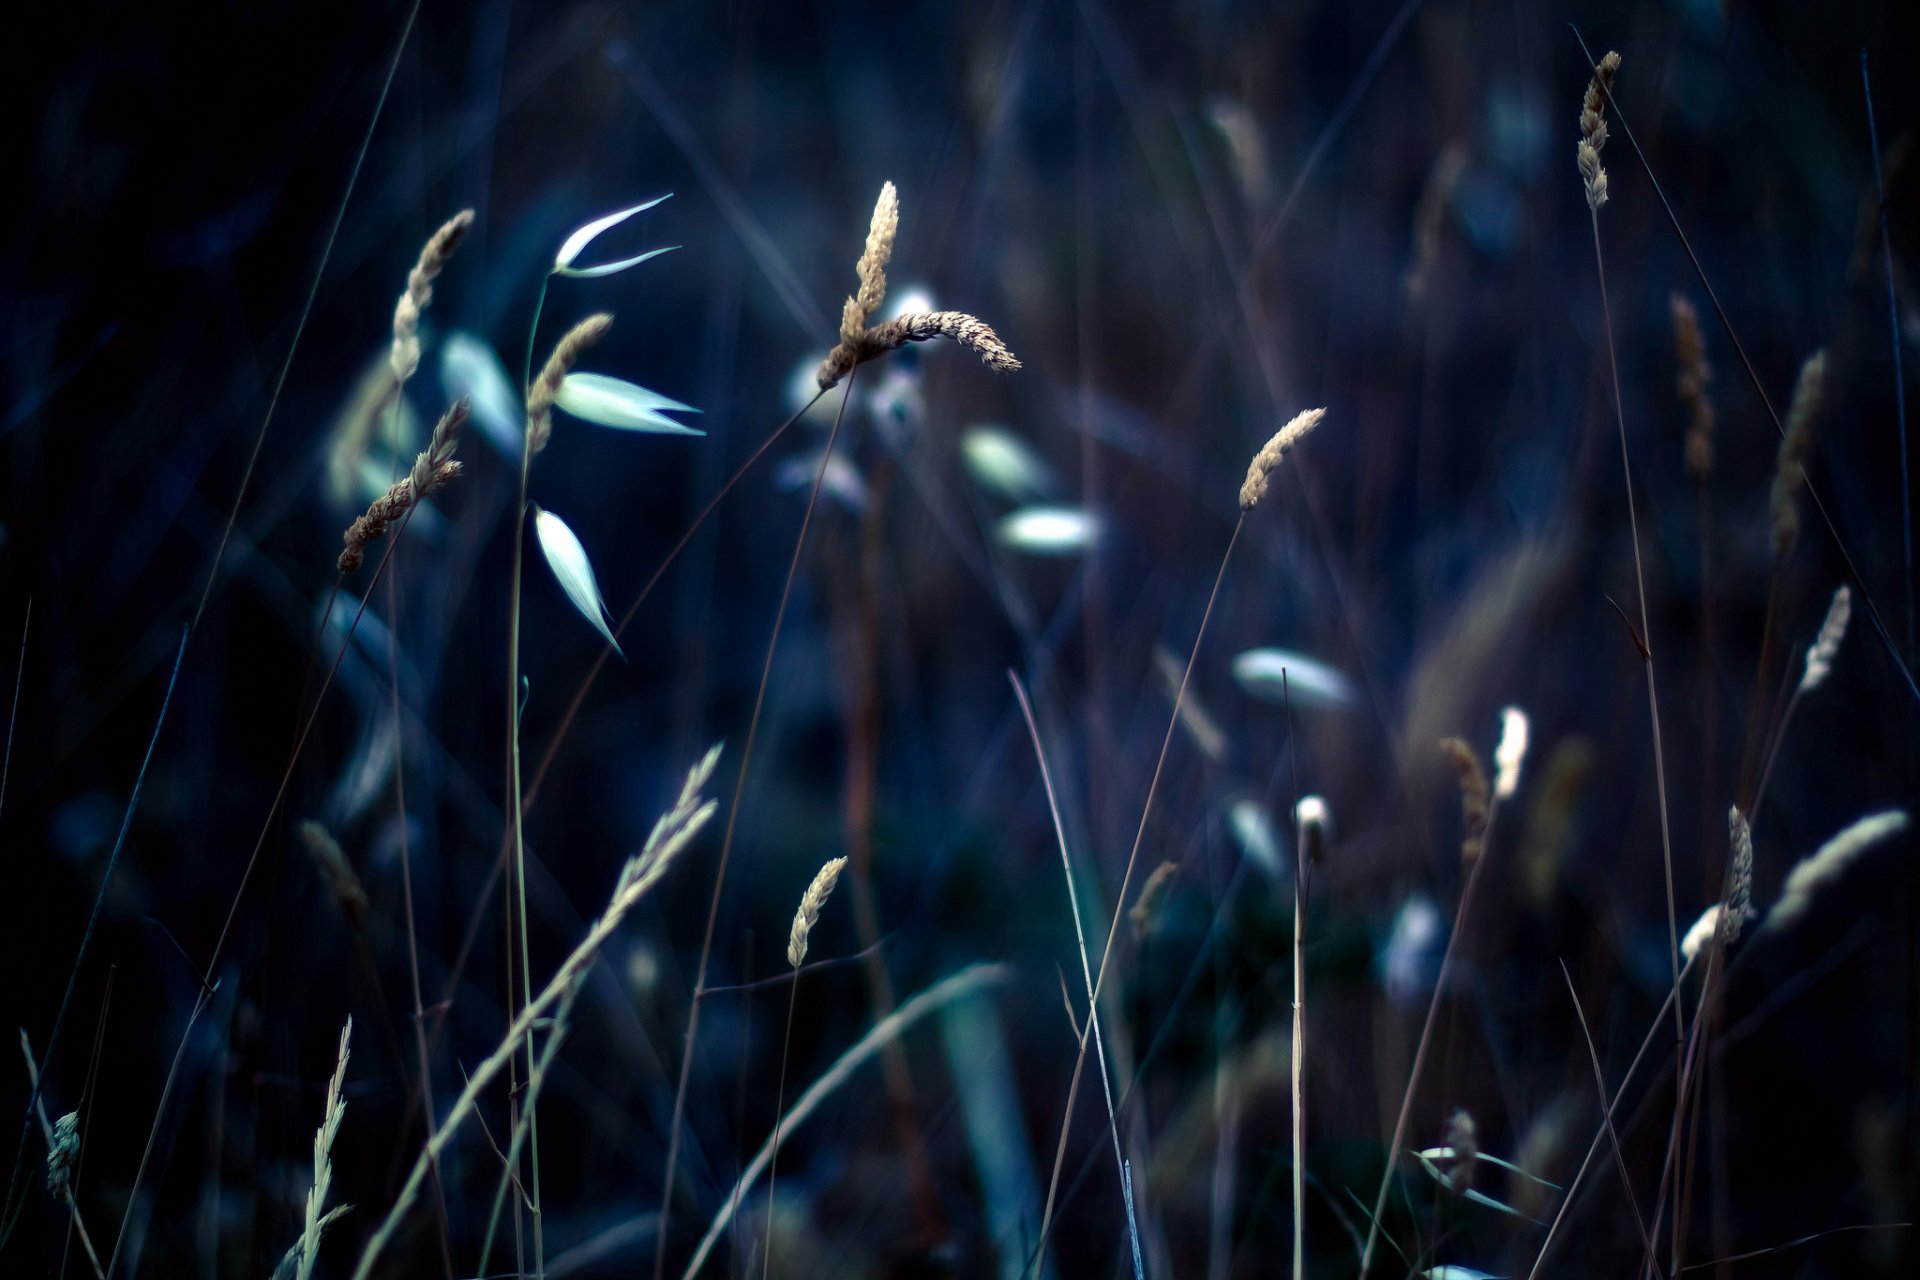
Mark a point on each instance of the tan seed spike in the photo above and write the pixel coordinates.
(565, 355)
(432, 469)
(405, 358)
(861, 340)
(1788, 470)
(872, 267)
(810, 904)
(1473, 796)
(1593, 130)
(1694, 377)
(1258, 471)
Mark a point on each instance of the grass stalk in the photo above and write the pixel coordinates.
(1080, 936)
(726, 841)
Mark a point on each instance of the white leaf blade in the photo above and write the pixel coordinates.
(1308, 682)
(574, 244)
(611, 268)
(615, 402)
(1050, 531)
(1003, 464)
(469, 367)
(568, 560)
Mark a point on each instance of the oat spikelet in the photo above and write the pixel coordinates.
(1739, 877)
(342, 882)
(1473, 797)
(1789, 466)
(432, 469)
(1815, 873)
(1261, 468)
(858, 342)
(1593, 130)
(1153, 894)
(1691, 382)
(816, 895)
(1821, 652)
(566, 353)
(405, 357)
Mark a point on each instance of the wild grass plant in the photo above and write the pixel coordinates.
(416, 929)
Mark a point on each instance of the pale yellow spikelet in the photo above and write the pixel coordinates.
(405, 357)
(1473, 796)
(566, 353)
(810, 904)
(1593, 130)
(1261, 468)
(1789, 472)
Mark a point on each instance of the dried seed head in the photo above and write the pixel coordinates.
(1593, 130)
(405, 357)
(810, 903)
(63, 1155)
(1153, 894)
(1739, 877)
(1473, 797)
(858, 342)
(1789, 470)
(1815, 873)
(1261, 468)
(342, 882)
(1691, 382)
(1826, 645)
(432, 468)
(566, 353)
(872, 267)
(971, 332)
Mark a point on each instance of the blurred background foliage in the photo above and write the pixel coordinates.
(1190, 221)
